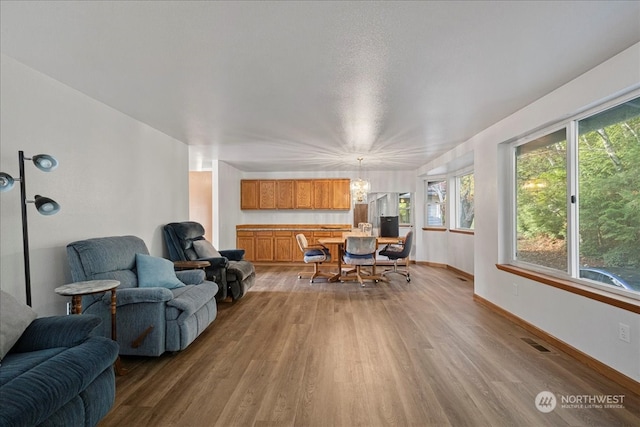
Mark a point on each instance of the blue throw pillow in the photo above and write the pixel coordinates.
(156, 272)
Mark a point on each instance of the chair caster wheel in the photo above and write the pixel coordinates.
(408, 279)
(311, 281)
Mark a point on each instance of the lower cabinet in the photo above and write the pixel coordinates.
(283, 246)
(280, 245)
(263, 246)
(245, 240)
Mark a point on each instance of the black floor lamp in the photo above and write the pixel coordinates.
(45, 205)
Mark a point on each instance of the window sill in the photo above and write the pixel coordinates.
(615, 300)
(434, 228)
(469, 232)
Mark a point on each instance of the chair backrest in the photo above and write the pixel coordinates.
(360, 245)
(408, 242)
(106, 258)
(302, 242)
(179, 237)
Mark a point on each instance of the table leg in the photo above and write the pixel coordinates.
(76, 304)
(337, 276)
(118, 365)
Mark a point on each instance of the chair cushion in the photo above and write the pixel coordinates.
(156, 272)
(355, 259)
(205, 249)
(314, 252)
(189, 299)
(317, 255)
(15, 317)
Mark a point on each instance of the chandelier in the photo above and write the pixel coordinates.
(359, 187)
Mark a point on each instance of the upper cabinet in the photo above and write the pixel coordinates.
(295, 194)
(322, 194)
(341, 194)
(249, 194)
(285, 194)
(267, 194)
(303, 193)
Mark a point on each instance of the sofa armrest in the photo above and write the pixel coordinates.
(233, 254)
(137, 295)
(191, 277)
(217, 262)
(56, 331)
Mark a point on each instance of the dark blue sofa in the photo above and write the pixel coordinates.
(58, 374)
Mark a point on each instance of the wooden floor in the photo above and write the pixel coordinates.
(399, 354)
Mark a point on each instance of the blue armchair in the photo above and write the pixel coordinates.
(150, 320)
(58, 373)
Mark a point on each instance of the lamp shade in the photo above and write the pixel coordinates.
(359, 191)
(46, 206)
(6, 182)
(45, 162)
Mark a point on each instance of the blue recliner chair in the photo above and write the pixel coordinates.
(235, 275)
(150, 320)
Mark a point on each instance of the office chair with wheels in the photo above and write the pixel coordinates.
(360, 251)
(316, 254)
(395, 253)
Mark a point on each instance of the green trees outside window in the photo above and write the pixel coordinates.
(609, 187)
(541, 201)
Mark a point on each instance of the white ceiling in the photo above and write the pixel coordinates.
(289, 86)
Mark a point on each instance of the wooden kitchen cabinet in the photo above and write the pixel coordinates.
(322, 194)
(303, 189)
(267, 194)
(264, 246)
(341, 194)
(283, 246)
(285, 194)
(325, 194)
(245, 240)
(249, 194)
(277, 242)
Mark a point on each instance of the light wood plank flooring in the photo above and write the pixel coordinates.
(390, 354)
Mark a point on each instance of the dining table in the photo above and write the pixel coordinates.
(340, 241)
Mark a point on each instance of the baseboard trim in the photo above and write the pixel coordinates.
(432, 264)
(581, 357)
(447, 267)
(460, 272)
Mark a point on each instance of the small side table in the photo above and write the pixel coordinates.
(77, 290)
(190, 265)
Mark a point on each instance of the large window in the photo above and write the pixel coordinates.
(465, 208)
(577, 199)
(436, 203)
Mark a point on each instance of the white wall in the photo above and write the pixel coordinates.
(585, 324)
(116, 176)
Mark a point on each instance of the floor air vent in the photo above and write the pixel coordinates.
(535, 345)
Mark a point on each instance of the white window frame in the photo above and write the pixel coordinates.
(427, 181)
(455, 199)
